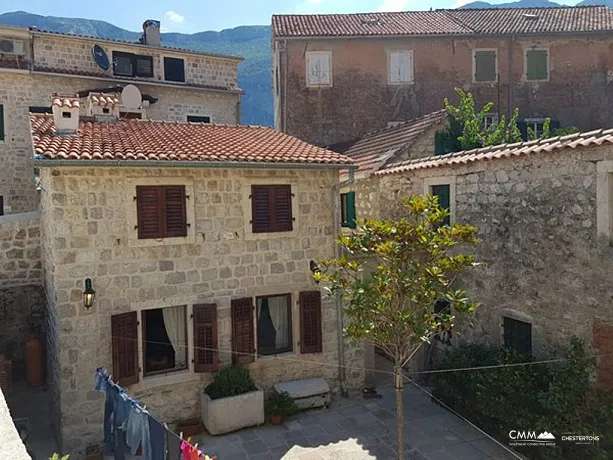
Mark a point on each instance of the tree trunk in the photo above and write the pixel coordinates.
(399, 385)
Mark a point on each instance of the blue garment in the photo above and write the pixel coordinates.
(109, 405)
(137, 433)
(100, 382)
(158, 437)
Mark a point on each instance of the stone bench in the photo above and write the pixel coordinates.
(307, 393)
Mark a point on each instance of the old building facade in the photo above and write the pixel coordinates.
(337, 77)
(175, 84)
(219, 281)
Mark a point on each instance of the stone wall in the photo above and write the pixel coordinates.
(11, 446)
(87, 216)
(20, 254)
(18, 92)
(575, 94)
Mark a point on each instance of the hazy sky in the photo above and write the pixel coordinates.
(189, 16)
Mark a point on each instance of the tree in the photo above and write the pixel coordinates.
(416, 259)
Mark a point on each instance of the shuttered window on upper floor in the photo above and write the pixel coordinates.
(485, 66)
(161, 211)
(319, 68)
(174, 69)
(537, 64)
(132, 65)
(271, 208)
(400, 67)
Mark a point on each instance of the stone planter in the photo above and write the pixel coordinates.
(231, 414)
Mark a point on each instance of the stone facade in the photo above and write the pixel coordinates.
(575, 94)
(48, 70)
(87, 232)
(543, 261)
(20, 255)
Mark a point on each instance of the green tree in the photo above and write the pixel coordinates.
(415, 258)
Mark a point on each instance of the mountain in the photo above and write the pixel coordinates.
(250, 42)
(534, 4)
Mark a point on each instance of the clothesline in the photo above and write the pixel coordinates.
(133, 426)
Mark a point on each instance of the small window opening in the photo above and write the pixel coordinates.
(106, 111)
(66, 114)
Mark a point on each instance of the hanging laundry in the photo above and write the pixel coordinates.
(158, 437)
(138, 434)
(173, 443)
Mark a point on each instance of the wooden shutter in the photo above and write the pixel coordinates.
(406, 67)
(174, 206)
(261, 210)
(351, 210)
(1, 122)
(206, 357)
(243, 344)
(282, 199)
(444, 199)
(318, 67)
(394, 68)
(537, 66)
(174, 69)
(517, 335)
(149, 212)
(124, 331)
(310, 322)
(485, 66)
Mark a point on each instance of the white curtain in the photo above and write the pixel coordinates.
(280, 320)
(174, 321)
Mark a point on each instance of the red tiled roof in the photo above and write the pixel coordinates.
(542, 146)
(373, 150)
(147, 140)
(494, 21)
(65, 100)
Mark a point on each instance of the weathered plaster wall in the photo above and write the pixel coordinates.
(576, 94)
(87, 233)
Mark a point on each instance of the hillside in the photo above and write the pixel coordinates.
(535, 4)
(250, 42)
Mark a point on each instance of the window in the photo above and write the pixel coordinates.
(271, 208)
(2, 132)
(198, 119)
(174, 69)
(274, 324)
(534, 124)
(443, 193)
(537, 64)
(161, 211)
(517, 335)
(37, 109)
(132, 65)
(490, 119)
(1, 205)
(485, 65)
(319, 68)
(131, 115)
(164, 340)
(400, 67)
(348, 210)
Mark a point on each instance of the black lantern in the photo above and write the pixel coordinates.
(88, 294)
(314, 268)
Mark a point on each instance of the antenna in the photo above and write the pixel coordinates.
(131, 97)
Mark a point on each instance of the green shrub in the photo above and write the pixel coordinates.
(230, 381)
(556, 397)
(280, 404)
(57, 456)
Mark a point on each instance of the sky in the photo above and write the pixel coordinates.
(190, 16)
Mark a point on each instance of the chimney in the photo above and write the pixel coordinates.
(151, 33)
(65, 109)
(102, 106)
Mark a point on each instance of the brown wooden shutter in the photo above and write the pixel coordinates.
(243, 344)
(124, 331)
(283, 221)
(310, 322)
(206, 357)
(149, 212)
(261, 210)
(174, 207)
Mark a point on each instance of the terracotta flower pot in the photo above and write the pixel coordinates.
(276, 419)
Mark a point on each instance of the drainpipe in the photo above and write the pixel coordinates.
(339, 303)
(285, 58)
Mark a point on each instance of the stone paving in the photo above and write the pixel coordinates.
(355, 428)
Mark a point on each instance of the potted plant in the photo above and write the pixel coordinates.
(232, 401)
(278, 406)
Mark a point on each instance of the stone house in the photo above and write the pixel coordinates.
(543, 210)
(174, 84)
(387, 67)
(197, 240)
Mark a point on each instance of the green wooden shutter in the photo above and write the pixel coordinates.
(1, 122)
(537, 65)
(351, 210)
(517, 335)
(485, 66)
(444, 199)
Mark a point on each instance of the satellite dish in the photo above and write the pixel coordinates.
(131, 98)
(100, 57)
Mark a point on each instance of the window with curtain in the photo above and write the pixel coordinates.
(274, 324)
(164, 340)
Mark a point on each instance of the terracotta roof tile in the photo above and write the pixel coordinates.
(555, 144)
(493, 21)
(65, 100)
(373, 150)
(104, 99)
(174, 141)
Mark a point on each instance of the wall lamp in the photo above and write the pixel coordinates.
(88, 294)
(314, 268)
